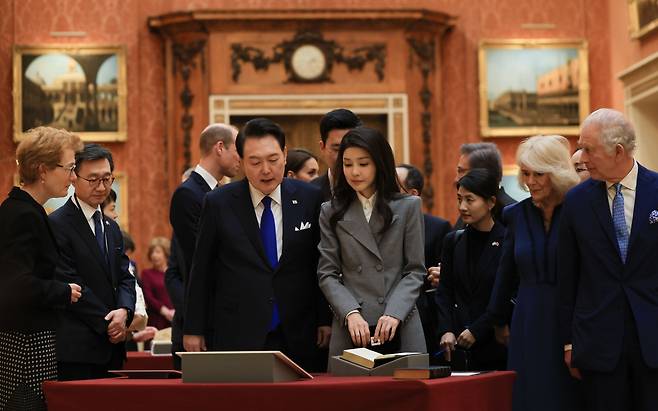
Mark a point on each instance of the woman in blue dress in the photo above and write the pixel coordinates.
(529, 259)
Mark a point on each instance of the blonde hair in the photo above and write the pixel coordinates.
(549, 155)
(161, 242)
(43, 146)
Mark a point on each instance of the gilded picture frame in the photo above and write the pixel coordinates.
(80, 88)
(536, 86)
(643, 16)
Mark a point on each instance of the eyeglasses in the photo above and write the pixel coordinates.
(67, 168)
(95, 182)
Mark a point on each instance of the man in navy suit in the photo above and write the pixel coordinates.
(219, 159)
(255, 263)
(333, 126)
(91, 333)
(435, 231)
(608, 268)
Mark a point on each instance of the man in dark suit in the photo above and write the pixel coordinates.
(91, 333)
(255, 263)
(333, 126)
(487, 156)
(219, 159)
(608, 269)
(435, 230)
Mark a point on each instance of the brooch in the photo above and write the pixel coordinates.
(653, 217)
(496, 243)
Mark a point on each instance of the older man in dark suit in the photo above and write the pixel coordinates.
(91, 333)
(219, 159)
(254, 267)
(608, 267)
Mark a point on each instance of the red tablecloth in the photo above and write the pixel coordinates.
(486, 392)
(146, 361)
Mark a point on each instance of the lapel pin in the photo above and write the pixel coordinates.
(495, 244)
(294, 201)
(653, 217)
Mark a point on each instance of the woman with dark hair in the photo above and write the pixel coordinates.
(468, 271)
(301, 164)
(371, 250)
(109, 206)
(29, 293)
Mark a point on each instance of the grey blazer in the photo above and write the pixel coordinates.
(376, 274)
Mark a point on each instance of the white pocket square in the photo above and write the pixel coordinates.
(303, 226)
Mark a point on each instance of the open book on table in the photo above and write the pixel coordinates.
(371, 359)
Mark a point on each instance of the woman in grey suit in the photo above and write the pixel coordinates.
(371, 249)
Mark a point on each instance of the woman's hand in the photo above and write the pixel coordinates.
(76, 292)
(167, 313)
(448, 342)
(386, 327)
(502, 335)
(358, 328)
(433, 275)
(466, 339)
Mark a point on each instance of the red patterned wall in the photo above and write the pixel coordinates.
(142, 156)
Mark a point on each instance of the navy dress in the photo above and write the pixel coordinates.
(535, 351)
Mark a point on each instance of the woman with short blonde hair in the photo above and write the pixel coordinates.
(529, 259)
(29, 294)
(548, 155)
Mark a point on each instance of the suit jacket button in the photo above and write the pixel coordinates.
(270, 300)
(379, 267)
(380, 300)
(359, 269)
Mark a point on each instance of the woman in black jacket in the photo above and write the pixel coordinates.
(468, 270)
(28, 293)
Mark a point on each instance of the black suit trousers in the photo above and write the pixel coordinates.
(631, 385)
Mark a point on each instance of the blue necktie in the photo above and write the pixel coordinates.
(619, 220)
(268, 236)
(100, 238)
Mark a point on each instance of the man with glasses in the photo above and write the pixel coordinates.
(90, 334)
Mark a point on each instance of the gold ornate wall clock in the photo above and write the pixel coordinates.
(308, 62)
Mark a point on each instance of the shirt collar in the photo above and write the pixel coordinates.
(363, 200)
(87, 210)
(209, 179)
(257, 196)
(630, 181)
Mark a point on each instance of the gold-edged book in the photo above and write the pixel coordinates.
(369, 358)
(424, 373)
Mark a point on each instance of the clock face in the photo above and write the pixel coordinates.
(308, 62)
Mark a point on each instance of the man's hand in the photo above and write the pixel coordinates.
(575, 372)
(324, 335)
(116, 330)
(194, 343)
(448, 342)
(76, 292)
(466, 339)
(433, 275)
(358, 328)
(386, 327)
